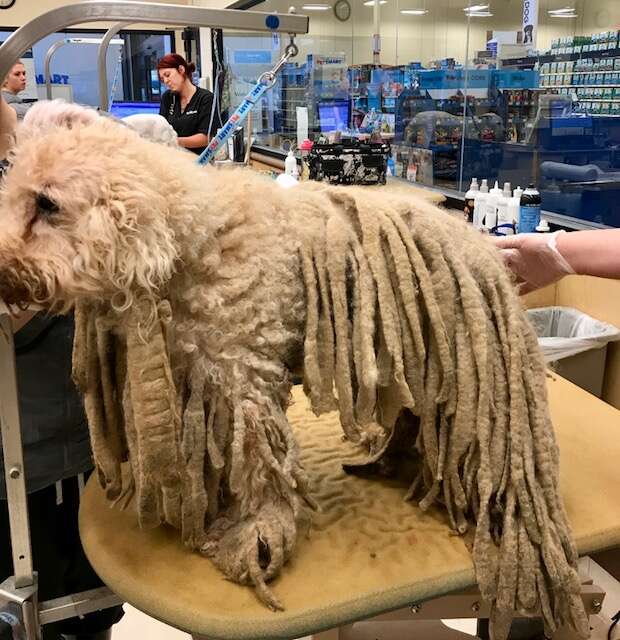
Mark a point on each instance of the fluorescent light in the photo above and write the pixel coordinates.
(476, 8)
(414, 12)
(563, 15)
(479, 14)
(564, 10)
(316, 7)
(371, 3)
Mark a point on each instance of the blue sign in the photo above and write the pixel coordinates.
(455, 79)
(260, 56)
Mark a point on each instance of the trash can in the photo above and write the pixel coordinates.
(574, 344)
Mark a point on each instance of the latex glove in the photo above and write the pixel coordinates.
(534, 259)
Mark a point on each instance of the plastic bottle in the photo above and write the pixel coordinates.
(470, 200)
(502, 205)
(479, 205)
(529, 214)
(543, 227)
(290, 165)
(490, 208)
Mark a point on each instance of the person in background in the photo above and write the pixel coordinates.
(13, 85)
(540, 259)
(185, 106)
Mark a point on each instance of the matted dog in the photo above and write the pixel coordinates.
(199, 292)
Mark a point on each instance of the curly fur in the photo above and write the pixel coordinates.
(198, 292)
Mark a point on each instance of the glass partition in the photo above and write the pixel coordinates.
(460, 89)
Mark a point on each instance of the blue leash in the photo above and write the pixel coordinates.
(265, 82)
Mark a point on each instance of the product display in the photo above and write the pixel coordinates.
(195, 305)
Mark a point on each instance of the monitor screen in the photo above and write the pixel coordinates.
(123, 109)
(334, 115)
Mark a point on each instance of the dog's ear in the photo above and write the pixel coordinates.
(147, 253)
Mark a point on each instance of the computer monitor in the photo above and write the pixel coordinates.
(123, 109)
(334, 115)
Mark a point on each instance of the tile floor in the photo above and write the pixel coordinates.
(136, 625)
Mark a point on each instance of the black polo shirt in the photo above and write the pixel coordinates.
(195, 118)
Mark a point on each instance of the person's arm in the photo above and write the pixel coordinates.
(191, 142)
(163, 105)
(8, 123)
(203, 135)
(540, 259)
(592, 253)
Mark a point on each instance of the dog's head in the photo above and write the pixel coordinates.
(83, 214)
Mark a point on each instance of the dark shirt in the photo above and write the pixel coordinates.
(53, 424)
(196, 117)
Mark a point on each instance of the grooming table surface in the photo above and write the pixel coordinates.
(366, 552)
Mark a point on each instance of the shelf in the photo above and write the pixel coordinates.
(579, 73)
(581, 86)
(560, 57)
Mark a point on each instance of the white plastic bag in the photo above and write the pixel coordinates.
(563, 332)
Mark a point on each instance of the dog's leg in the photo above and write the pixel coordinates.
(254, 536)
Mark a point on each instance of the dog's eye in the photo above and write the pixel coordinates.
(45, 205)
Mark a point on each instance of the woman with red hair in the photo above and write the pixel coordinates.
(185, 106)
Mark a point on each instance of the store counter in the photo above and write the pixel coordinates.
(367, 551)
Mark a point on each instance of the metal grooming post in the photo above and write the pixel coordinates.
(52, 50)
(102, 69)
(21, 589)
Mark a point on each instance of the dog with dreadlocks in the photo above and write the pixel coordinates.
(198, 293)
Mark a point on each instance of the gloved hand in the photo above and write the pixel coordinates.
(534, 259)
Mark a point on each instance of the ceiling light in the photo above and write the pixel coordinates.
(371, 3)
(563, 15)
(479, 14)
(316, 7)
(414, 12)
(476, 8)
(564, 10)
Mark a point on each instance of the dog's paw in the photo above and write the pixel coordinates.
(254, 550)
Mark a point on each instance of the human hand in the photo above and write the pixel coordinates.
(534, 259)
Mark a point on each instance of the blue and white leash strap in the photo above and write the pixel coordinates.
(265, 82)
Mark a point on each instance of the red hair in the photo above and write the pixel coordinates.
(174, 61)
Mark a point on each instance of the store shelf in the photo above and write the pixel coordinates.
(578, 73)
(581, 86)
(561, 57)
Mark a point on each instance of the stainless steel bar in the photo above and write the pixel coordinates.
(13, 456)
(118, 11)
(77, 604)
(52, 50)
(48, 59)
(102, 68)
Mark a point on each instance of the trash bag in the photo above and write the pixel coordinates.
(564, 332)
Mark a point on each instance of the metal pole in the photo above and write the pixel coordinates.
(129, 11)
(102, 68)
(376, 38)
(13, 456)
(466, 82)
(48, 59)
(52, 50)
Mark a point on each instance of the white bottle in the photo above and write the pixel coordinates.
(490, 208)
(502, 205)
(543, 227)
(470, 200)
(290, 165)
(479, 205)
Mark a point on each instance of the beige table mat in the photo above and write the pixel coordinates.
(367, 552)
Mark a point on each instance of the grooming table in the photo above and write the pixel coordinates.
(366, 553)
